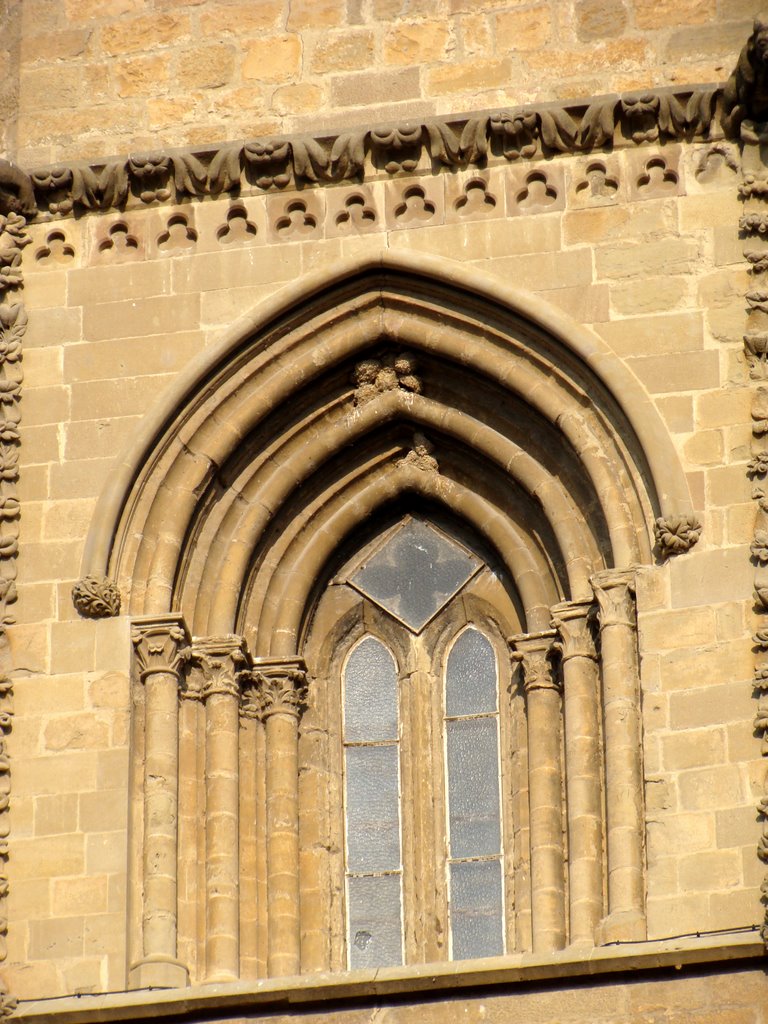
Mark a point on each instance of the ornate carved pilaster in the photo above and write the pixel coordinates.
(223, 660)
(161, 645)
(625, 820)
(533, 651)
(581, 712)
(283, 688)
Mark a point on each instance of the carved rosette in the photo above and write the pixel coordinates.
(161, 644)
(96, 597)
(534, 651)
(282, 686)
(224, 662)
(676, 534)
(746, 110)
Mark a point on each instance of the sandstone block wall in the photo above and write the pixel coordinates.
(119, 305)
(641, 246)
(96, 79)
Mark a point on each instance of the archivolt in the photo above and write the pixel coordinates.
(264, 460)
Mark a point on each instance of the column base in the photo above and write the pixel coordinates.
(621, 926)
(158, 972)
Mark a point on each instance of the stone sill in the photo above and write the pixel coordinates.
(274, 994)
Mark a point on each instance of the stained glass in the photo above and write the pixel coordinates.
(470, 677)
(476, 905)
(415, 573)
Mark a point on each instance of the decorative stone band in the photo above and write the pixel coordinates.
(96, 597)
(541, 130)
(13, 325)
(753, 190)
(282, 685)
(224, 662)
(161, 644)
(534, 652)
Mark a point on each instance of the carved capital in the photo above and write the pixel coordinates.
(222, 659)
(96, 597)
(534, 652)
(572, 620)
(676, 534)
(161, 644)
(252, 699)
(615, 593)
(282, 685)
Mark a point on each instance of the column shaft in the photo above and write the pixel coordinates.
(283, 686)
(545, 791)
(623, 761)
(160, 645)
(222, 659)
(582, 770)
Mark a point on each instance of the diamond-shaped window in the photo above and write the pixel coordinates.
(414, 573)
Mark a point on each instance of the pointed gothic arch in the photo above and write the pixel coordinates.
(395, 384)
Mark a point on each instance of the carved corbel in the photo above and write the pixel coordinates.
(17, 194)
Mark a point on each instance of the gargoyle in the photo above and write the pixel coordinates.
(16, 192)
(746, 91)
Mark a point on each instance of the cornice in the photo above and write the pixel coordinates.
(486, 138)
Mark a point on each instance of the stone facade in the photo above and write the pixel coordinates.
(492, 265)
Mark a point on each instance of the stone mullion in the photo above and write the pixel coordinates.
(583, 760)
(161, 646)
(753, 190)
(625, 822)
(282, 685)
(543, 704)
(222, 659)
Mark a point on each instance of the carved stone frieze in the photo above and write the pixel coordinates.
(676, 534)
(282, 685)
(542, 130)
(161, 644)
(96, 597)
(223, 660)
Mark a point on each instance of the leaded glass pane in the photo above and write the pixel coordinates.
(375, 921)
(370, 693)
(373, 817)
(473, 787)
(476, 909)
(470, 676)
(415, 573)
